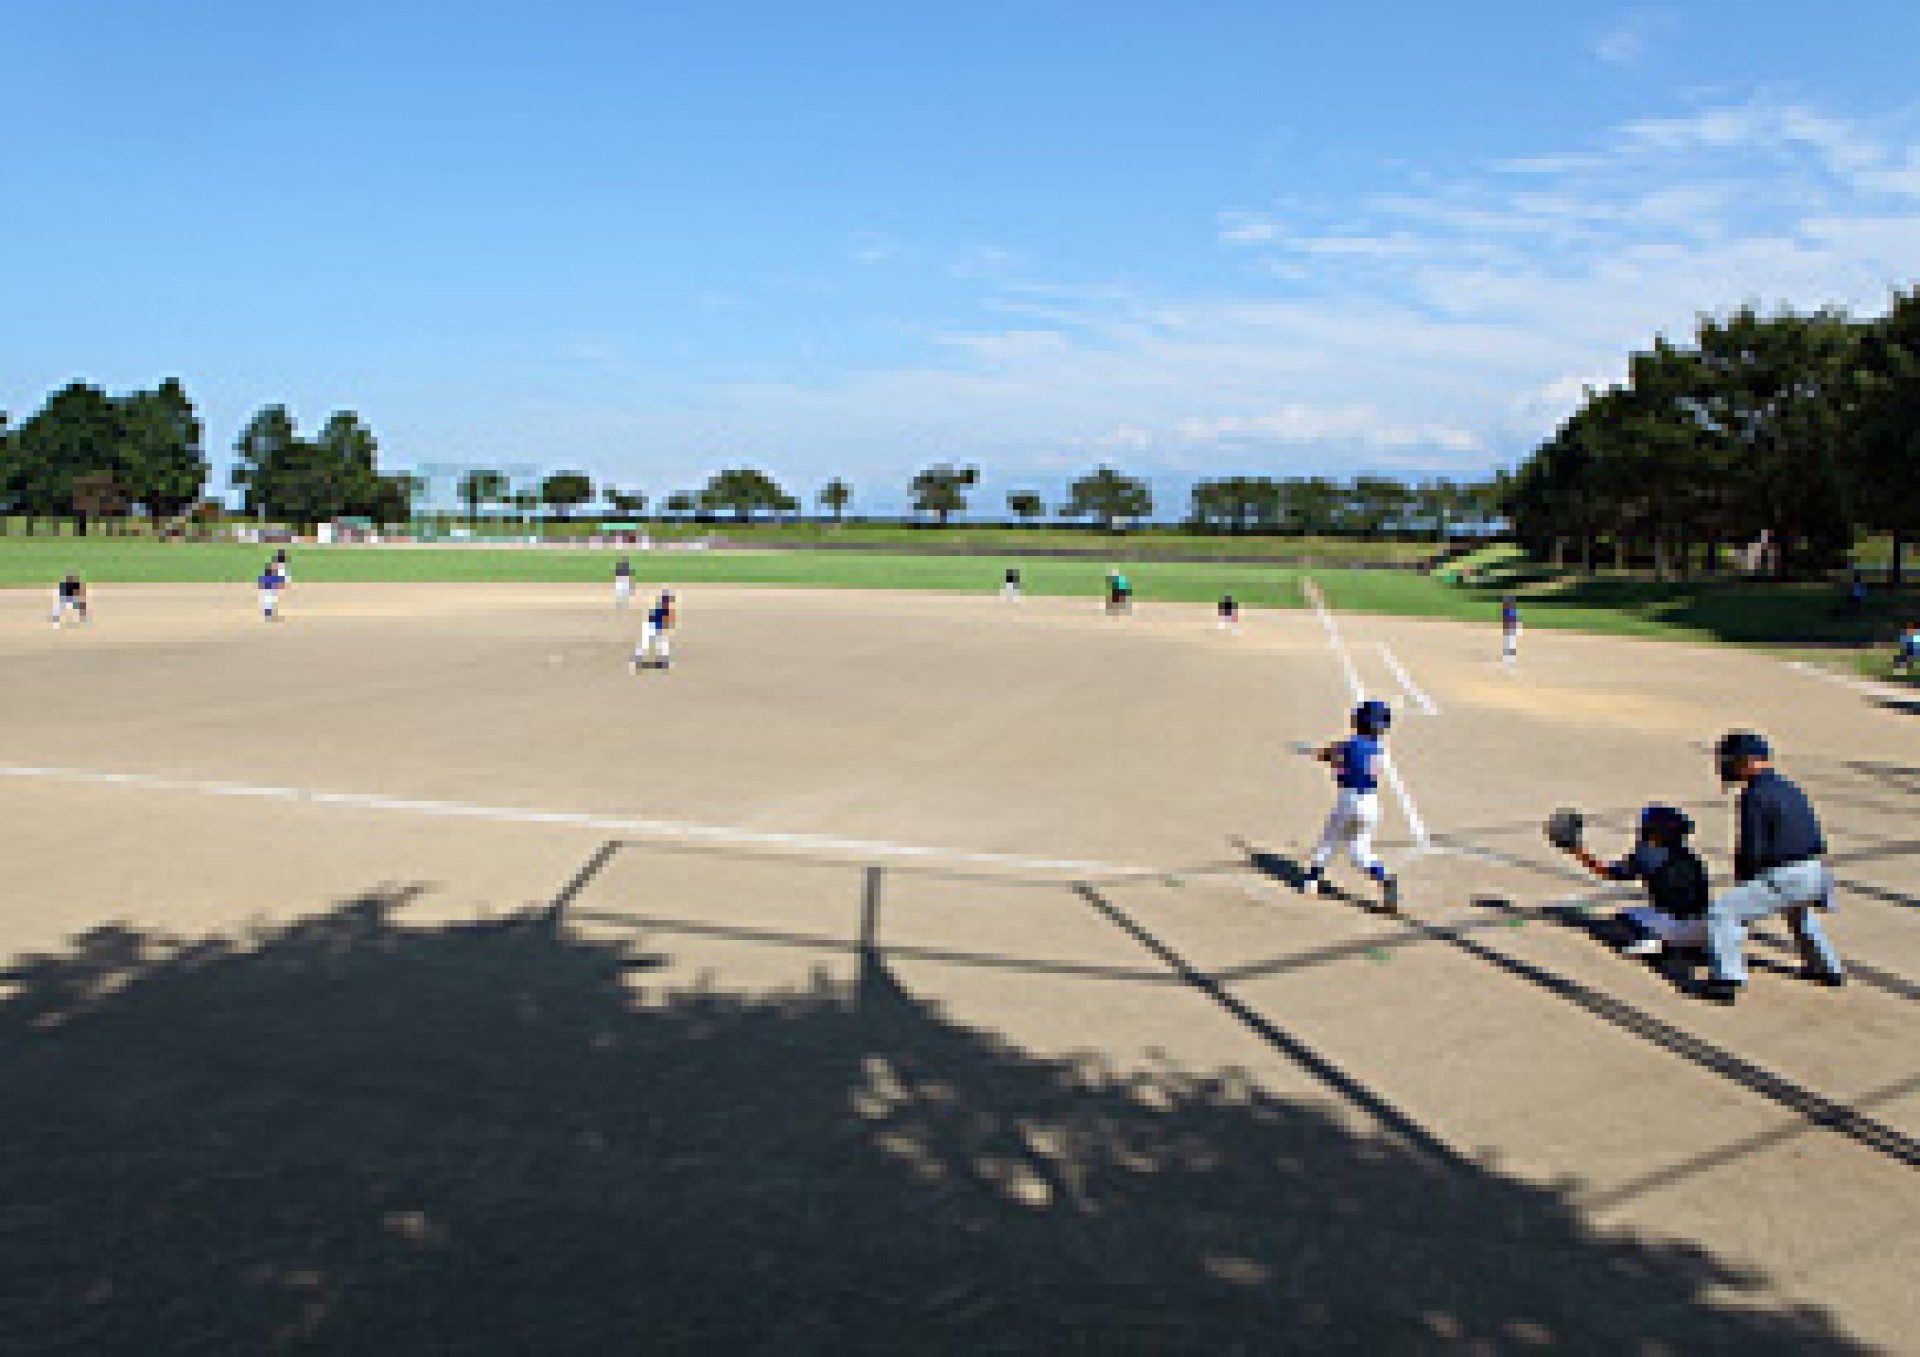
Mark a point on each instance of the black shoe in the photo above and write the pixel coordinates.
(1390, 894)
(1831, 979)
(1722, 991)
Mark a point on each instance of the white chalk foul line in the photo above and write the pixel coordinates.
(658, 829)
(1407, 808)
(1867, 686)
(1407, 685)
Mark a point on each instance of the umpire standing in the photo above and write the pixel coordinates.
(1776, 868)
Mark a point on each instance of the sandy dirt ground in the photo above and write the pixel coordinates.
(905, 972)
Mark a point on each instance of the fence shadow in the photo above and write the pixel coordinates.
(350, 1134)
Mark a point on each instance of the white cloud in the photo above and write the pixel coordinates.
(1628, 39)
(1430, 326)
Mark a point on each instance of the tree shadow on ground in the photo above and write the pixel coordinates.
(351, 1135)
(1746, 611)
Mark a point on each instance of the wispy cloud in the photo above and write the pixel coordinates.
(1428, 325)
(1629, 38)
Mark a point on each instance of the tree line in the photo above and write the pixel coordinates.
(88, 455)
(1784, 432)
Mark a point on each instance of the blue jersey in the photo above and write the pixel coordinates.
(270, 580)
(1356, 763)
(1510, 617)
(661, 614)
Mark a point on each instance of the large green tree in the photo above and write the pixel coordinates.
(744, 492)
(1108, 497)
(76, 432)
(479, 488)
(942, 490)
(1026, 505)
(565, 491)
(1885, 446)
(163, 460)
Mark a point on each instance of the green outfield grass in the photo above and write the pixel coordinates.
(1770, 614)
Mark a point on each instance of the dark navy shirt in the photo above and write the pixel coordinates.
(1777, 826)
(1676, 879)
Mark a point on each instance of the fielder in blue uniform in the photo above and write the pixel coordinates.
(1777, 865)
(655, 638)
(270, 583)
(1509, 630)
(1357, 763)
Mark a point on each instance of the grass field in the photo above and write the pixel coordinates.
(1774, 615)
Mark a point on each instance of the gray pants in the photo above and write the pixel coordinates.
(1797, 890)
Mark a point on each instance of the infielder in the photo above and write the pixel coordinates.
(1119, 592)
(69, 596)
(1509, 630)
(1011, 589)
(1356, 765)
(1777, 865)
(1906, 651)
(1229, 614)
(622, 582)
(270, 583)
(1675, 914)
(654, 635)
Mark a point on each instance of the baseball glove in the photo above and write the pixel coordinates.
(1563, 829)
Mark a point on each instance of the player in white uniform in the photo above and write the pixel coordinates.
(1011, 589)
(622, 583)
(1356, 765)
(70, 596)
(655, 638)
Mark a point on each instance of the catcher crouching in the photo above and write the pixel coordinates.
(1675, 915)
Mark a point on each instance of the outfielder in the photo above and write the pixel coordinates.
(654, 635)
(1356, 765)
(70, 596)
(1777, 865)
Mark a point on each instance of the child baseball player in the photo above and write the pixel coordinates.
(1356, 763)
(622, 582)
(1906, 651)
(1011, 589)
(279, 566)
(69, 596)
(654, 635)
(1119, 592)
(1509, 630)
(270, 583)
(1675, 914)
(1229, 614)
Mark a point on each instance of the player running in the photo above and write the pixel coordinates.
(1356, 763)
(655, 637)
(69, 596)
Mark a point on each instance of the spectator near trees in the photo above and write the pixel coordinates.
(1109, 498)
(942, 490)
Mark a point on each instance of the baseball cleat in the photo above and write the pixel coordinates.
(1725, 992)
(1643, 947)
(1390, 892)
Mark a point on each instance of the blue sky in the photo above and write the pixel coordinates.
(829, 238)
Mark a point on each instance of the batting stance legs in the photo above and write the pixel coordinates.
(1350, 825)
(1797, 891)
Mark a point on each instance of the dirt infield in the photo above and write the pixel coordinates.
(909, 972)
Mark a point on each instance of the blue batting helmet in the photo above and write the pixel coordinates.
(1372, 717)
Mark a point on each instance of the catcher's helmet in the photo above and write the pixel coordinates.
(1669, 821)
(1372, 717)
(1735, 748)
